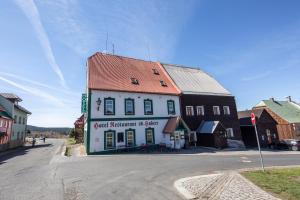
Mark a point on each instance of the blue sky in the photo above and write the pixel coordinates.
(251, 47)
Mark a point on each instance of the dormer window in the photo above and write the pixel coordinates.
(134, 81)
(155, 71)
(162, 83)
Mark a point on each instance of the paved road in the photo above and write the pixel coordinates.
(41, 174)
(27, 174)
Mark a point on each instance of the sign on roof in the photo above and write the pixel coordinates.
(83, 103)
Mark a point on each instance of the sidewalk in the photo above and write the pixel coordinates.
(223, 186)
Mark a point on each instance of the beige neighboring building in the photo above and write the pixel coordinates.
(20, 115)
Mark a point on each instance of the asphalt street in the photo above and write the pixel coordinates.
(42, 173)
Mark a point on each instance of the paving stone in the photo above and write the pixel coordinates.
(225, 186)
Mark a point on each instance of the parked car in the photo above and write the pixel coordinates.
(291, 144)
(295, 145)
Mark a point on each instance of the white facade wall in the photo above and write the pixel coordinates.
(18, 128)
(139, 121)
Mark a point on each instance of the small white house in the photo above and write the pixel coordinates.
(131, 103)
(20, 115)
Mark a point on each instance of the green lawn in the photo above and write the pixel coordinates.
(283, 183)
(71, 141)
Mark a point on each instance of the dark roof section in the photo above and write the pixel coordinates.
(115, 73)
(207, 127)
(22, 109)
(245, 116)
(173, 123)
(3, 113)
(11, 97)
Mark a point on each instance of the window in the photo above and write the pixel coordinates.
(15, 119)
(162, 83)
(263, 138)
(109, 106)
(155, 71)
(120, 137)
(129, 106)
(148, 109)
(189, 110)
(216, 110)
(130, 138)
(134, 81)
(200, 110)
(150, 136)
(109, 139)
(20, 120)
(274, 135)
(268, 132)
(226, 110)
(18, 135)
(171, 107)
(229, 132)
(24, 120)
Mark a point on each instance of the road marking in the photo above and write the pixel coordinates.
(246, 161)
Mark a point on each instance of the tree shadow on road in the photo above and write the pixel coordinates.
(20, 151)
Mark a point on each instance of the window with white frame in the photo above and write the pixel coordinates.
(216, 110)
(268, 132)
(263, 138)
(148, 107)
(200, 110)
(149, 136)
(171, 107)
(229, 132)
(129, 106)
(109, 106)
(226, 110)
(189, 110)
(109, 139)
(130, 134)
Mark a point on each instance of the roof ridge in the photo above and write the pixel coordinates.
(183, 66)
(139, 59)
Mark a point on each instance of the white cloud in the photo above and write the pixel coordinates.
(257, 76)
(132, 26)
(30, 10)
(36, 83)
(36, 92)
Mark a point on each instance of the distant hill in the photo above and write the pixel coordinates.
(64, 130)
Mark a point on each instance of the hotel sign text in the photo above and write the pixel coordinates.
(128, 124)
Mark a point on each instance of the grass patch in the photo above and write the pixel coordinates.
(284, 183)
(71, 141)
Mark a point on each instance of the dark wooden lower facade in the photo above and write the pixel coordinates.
(266, 128)
(208, 102)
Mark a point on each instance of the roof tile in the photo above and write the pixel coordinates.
(112, 72)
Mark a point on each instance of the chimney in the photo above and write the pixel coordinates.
(289, 98)
(272, 99)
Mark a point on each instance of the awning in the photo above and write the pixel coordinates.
(4, 114)
(173, 123)
(207, 127)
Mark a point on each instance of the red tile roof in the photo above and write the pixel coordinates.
(114, 73)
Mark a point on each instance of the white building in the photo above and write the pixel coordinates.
(131, 103)
(11, 103)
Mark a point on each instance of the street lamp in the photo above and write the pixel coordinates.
(98, 103)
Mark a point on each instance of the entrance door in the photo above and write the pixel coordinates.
(177, 139)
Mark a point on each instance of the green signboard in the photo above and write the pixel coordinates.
(83, 103)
